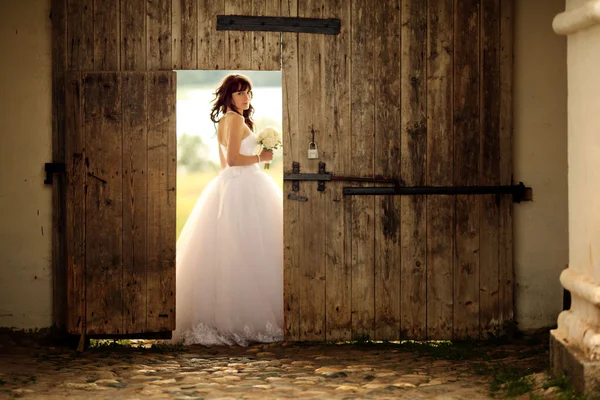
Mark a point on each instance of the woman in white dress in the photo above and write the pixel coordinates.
(230, 251)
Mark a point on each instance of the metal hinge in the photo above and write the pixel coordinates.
(53, 168)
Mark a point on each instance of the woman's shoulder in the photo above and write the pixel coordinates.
(232, 115)
(231, 120)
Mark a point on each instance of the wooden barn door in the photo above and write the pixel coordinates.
(419, 91)
(114, 129)
(120, 148)
(414, 90)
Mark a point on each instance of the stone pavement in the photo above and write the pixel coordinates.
(279, 370)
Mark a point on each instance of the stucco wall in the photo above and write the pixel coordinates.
(540, 158)
(540, 161)
(25, 145)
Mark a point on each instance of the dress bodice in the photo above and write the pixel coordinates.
(248, 146)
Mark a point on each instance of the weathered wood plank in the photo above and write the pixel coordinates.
(59, 261)
(133, 35)
(291, 142)
(335, 151)
(211, 43)
(176, 32)
(103, 204)
(238, 45)
(440, 239)
(387, 163)
(440, 209)
(169, 215)
(189, 34)
(272, 58)
(135, 196)
(413, 168)
(80, 35)
(312, 253)
(265, 45)
(466, 168)
(161, 202)
(505, 255)
(74, 142)
(159, 53)
(414, 273)
(387, 269)
(466, 268)
(258, 38)
(106, 35)
(362, 82)
(489, 167)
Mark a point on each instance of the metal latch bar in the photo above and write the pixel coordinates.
(519, 192)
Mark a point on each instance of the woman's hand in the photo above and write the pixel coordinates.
(266, 155)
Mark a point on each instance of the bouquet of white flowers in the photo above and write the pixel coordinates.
(270, 139)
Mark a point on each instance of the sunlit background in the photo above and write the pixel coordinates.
(197, 146)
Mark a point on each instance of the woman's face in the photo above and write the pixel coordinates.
(241, 99)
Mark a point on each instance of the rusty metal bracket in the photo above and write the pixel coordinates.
(294, 196)
(321, 184)
(295, 170)
(323, 176)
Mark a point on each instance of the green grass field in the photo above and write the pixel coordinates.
(190, 186)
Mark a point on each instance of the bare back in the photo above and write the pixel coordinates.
(223, 128)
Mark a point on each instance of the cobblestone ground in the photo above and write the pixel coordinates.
(282, 370)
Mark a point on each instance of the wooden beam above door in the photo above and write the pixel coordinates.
(329, 26)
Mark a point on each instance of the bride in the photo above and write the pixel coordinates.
(230, 251)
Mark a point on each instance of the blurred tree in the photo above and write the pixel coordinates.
(262, 123)
(193, 154)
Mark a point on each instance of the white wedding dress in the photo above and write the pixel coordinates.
(230, 260)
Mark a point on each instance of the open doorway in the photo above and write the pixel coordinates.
(197, 146)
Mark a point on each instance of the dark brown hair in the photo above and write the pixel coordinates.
(229, 85)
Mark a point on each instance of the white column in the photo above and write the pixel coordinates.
(579, 327)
